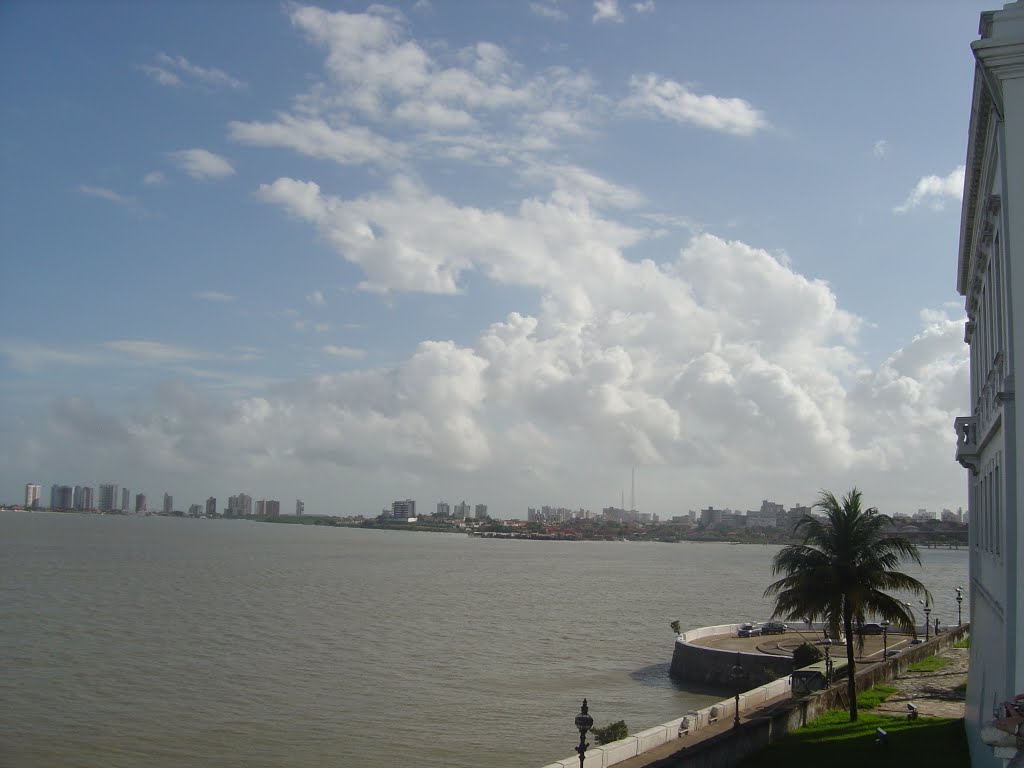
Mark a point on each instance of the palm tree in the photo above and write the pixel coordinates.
(842, 572)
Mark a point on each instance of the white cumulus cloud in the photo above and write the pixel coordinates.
(934, 191)
(177, 70)
(606, 10)
(675, 101)
(315, 137)
(342, 351)
(202, 164)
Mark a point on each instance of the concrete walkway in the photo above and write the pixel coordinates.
(935, 694)
(662, 757)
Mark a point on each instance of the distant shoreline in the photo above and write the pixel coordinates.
(590, 531)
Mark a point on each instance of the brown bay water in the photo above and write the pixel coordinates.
(164, 642)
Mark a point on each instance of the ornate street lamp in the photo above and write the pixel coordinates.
(927, 618)
(827, 642)
(959, 605)
(584, 722)
(738, 676)
(885, 639)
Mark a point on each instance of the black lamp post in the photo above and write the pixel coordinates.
(959, 605)
(885, 640)
(738, 676)
(584, 722)
(827, 642)
(927, 618)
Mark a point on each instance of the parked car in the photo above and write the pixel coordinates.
(871, 629)
(774, 628)
(749, 630)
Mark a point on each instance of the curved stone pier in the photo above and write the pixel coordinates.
(696, 663)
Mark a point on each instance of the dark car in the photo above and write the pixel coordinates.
(871, 629)
(774, 628)
(749, 630)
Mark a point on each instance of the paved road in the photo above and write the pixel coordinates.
(785, 643)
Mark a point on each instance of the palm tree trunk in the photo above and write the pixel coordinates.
(851, 662)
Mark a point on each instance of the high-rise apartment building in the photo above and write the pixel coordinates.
(240, 505)
(403, 509)
(168, 504)
(108, 497)
(85, 498)
(140, 503)
(195, 510)
(32, 492)
(261, 507)
(480, 511)
(126, 500)
(211, 507)
(462, 510)
(62, 497)
(272, 508)
(443, 509)
(300, 508)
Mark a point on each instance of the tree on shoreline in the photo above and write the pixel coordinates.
(841, 573)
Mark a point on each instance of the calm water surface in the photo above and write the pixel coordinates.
(166, 642)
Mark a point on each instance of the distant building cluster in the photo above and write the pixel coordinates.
(770, 515)
(548, 514)
(405, 509)
(628, 515)
(81, 498)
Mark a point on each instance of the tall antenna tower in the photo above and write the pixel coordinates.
(623, 498)
(632, 490)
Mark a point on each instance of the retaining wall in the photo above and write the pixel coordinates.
(728, 748)
(713, 666)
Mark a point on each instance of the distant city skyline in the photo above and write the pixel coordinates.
(244, 505)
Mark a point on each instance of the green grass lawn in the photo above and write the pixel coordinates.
(874, 696)
(833, 741)
(964, 642)
(929, 664)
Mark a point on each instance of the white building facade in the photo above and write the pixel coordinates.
(992, 283)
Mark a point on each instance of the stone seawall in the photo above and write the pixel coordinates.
(713, 666)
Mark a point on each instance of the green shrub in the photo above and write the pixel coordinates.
(611, 732)
(806, 654)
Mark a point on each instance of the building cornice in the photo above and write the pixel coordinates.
(999, 56)
(981, 109)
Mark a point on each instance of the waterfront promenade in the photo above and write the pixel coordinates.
(935, 694)
(769, 712)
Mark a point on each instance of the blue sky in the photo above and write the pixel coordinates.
(493, 251)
